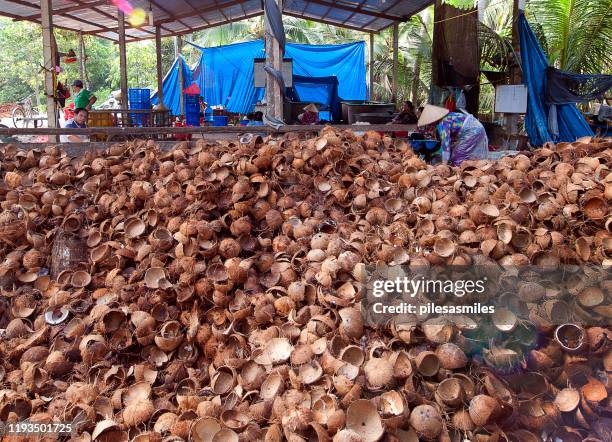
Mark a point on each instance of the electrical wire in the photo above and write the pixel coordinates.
(475, 11)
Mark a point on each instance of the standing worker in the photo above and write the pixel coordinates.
(461, 135)
(83, 99)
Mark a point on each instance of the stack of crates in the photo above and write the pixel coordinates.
(192, 110)
(100, 118)
(140, 99)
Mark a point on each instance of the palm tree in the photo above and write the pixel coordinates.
(578, 33)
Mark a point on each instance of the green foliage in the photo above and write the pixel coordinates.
(20, 59)
(577, 33)
(460, 4)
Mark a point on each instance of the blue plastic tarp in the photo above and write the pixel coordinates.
(171, 88)
(319, 90)
(225, 73)
(569, 121)
(346, 62)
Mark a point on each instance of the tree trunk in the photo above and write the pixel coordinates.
(416, 74)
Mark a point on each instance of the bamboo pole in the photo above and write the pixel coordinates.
(46, 8)
(372, 66)
(395, 60)
(158, 62)
(122, 63)
(178, 47)
(150, 131)
(82, 57)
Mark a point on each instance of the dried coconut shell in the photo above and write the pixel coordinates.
(483, 409)
(363, 418)
(567, 399)
(594, 391)
(451, 357)
(426, 421)
(379, 372)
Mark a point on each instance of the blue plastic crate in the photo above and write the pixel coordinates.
(140, 106)
(141, 120)
(139, 95)
(192, 98)
(191, 108)
(220, 120)
(192, 119)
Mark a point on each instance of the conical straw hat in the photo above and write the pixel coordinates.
(311, 108)
(432, 114)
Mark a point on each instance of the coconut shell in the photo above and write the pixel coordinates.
(483, 409)
(363, 418)
(426, 421)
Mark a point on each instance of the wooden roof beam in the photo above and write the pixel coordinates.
(65, 15)
(167, 12)
(67, 9)
(407, 18)
(196, 10)
(358, 10)
(220, 9)
(200, 28)
(107, 15)
(215, 7)
(328, 22)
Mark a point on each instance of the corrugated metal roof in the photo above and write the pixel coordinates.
(177, 17)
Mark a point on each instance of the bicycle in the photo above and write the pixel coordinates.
(24, 113)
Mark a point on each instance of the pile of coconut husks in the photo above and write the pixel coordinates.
(212, 292)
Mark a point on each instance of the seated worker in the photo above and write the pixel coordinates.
(255, 119)
(461, 135)
(406, 114)
(78, 122)
(310, 114)
(203, 107)
(82, 97)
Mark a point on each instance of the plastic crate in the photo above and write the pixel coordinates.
(220, 120)
(191, 109)
(192, 118)
(192, 98)
(139, 95)
(100, 119)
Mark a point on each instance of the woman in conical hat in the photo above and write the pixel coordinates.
(310, 114)
(461, 135)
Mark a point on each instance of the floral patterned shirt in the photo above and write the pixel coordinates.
(448, 128)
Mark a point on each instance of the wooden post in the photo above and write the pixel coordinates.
(82, 58)
(274, 58)
(122, 62)
(158, 62)
(46, 9)
(178, 48)
(372, 66)
(511, 120)
(395, 61)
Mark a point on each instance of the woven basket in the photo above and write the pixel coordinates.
(68, 252)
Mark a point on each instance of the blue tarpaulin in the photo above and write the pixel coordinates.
(225, 73)
(569, 122)
(171, 85)
(319, 90)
